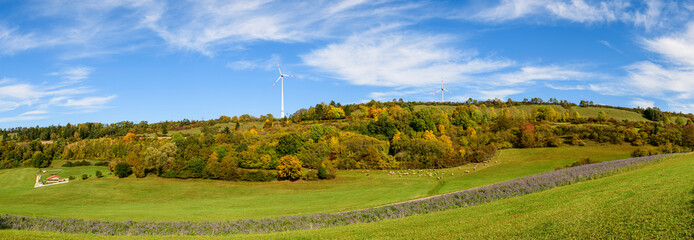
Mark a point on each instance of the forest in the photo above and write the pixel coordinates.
(326, 137)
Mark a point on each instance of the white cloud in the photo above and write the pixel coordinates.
(556, 87)
(34, 112)
(21, 118)
(390, 95)
(676, 48)
(528, 75)
(643, 103)
(89, 102)
(398, 60)
(40, 101)
(11, 41)
(669, 78)
(510, 9)
(500, 93)
(74, 73)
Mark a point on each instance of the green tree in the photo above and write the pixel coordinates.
(289, 144)
(289, 168)
(653, 114)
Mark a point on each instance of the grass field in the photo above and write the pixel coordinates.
(154, 198)
(653, 202)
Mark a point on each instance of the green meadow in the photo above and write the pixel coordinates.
(652, 202)
(160, 199)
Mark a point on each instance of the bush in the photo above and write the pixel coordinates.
(71, 178)
(258, 176)
(583, 162)
(311, 175)
(102, 163)
(322, 172)
(99, 174)
(123, 169)
(326, 170)
(78, 163)
(84, 176)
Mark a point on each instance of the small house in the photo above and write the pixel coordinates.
(54, 179)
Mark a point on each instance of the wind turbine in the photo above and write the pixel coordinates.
(441, 90)
(282, 85)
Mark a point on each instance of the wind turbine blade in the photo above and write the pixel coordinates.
(448, 91)
(278, 79)
(278, 68)
(436, 92)
(289, 75)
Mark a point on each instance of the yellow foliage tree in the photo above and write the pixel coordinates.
(130, 137)
(289, 168)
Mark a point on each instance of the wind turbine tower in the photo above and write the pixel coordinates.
(281, 78)
(441, 90)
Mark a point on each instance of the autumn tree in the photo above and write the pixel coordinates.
(289, 168)
(137, 164)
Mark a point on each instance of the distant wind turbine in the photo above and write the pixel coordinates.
(441, 90)
(282, 85)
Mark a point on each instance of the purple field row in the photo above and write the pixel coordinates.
(470, 197)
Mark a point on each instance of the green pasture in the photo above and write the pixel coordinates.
(160, 199)
(652, 202)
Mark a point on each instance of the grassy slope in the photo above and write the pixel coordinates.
(653, 202)
(155, 198)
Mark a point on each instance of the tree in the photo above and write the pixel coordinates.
(289, 168)
(602, 115)
(38, 160)
(99, 174)
(322, 172)
(653, 114)
(123, 169)
(137, 163)
(289, 144)
(130, 137)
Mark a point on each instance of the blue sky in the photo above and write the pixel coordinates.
(109, 61)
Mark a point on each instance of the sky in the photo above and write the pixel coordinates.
(107, 61)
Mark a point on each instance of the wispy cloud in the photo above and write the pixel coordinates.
(268, 64)
(652, 14)
(206, 25)
(74, 73)
(89, 102)
(608, 45)
(40, 101)
(531, 74)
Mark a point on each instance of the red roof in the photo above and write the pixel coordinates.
(54, 176)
